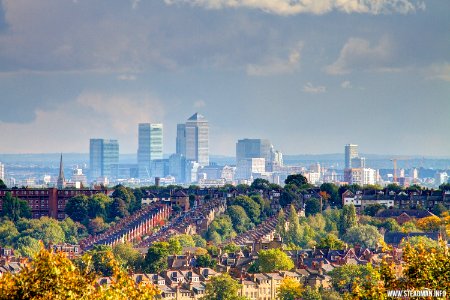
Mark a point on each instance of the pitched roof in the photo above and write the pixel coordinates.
(389, 213)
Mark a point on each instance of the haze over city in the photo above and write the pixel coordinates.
(310, 77)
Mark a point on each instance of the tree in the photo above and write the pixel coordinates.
(221, 226)
(260, 184)
(342, 278)
(45, 229)
(72, 231)
(273, 260)
(439, 209)
(311, 294)
(348, 218)
(205, 261)
(97, 225)
(127, 195)
(312, 206)
(199, 241)
(8, 232)
(2, 185)
(294, 232)
(175, 247)
(393, 187)
(390, 224)
(252, 208)
(102, 259)
(156, 258)
(290, 289)
(118, 209)
(241, 222)
(289, 195)
(408, 227)
(373, 209)
(186, 240)
(127, 256)
(365, 235)
(97, 205)
(15, 208)
(28, 246)
(424, 241)
(297, 179)
(331, 242)
(222, 287)
(281, 222)
(428, 224)
(332, 190)
(77, 208)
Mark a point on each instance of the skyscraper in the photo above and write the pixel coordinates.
(103, 158)
(193, 139)
(2, 171)
(150, 147)
(351, 151)
(253, 148)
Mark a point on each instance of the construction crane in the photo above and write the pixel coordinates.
(394, 161)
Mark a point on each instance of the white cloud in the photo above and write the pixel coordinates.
(199, 104)
(290, 7)
(311, 89)
(346, 84)
(92, 114)
(359, 55)
(275, 66)
(439, 71)
(127, 77)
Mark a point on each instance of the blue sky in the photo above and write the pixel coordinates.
(310, 76)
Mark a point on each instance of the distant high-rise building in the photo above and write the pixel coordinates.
(253, 148)
(351, 151)
(358, 162)
(103, 158)
(177, 167)
(193, 139)
(61, 183)
(150, 140)
(2, 171)
(247, 167)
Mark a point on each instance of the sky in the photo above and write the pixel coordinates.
(311, 76)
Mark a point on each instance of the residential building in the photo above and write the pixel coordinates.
(103, 158)
(150, 147)
(351, 151)
(193, 139)
(361, 176)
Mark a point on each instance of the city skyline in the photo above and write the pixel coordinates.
(308, 77)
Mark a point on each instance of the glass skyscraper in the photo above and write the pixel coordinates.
(103, 158)
(193, 139)
(150, 147)
(351, 152)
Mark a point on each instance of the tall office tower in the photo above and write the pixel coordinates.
(358, 162)
(103, 158)
(150, 147)
(254, 148)
(2, 171)
(193, 139)
(181, 139)
(351, 151)
(177, 167)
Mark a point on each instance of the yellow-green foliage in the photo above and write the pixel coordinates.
(54, 276)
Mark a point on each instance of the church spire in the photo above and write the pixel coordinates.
(61, 179)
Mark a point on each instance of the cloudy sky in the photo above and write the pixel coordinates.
(310, 75)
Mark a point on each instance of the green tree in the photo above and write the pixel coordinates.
(15, 208)
(373, 209)
(199, 241)
(127, 256)
(312, 206)
(77, 208)
(222, 287)
(332, 190)
(97, 205)
(45, 229)
(311, 294)
(438, 209)
(416, 241)
(342, 278)
(331, 242)
(297, 179)
(290, 195)
(186, 240)
(294, 233)
(72, 231)
(156, 258)
(2, 185)
(348, 218)
(252, 209)
(205, 261)
(223, 227)
(365, 235)
(281, 222)
(241, 222)
(290, 289)
(393, 187)
(8, 232)
(175, 247)
(273, 260)
(260, 184)
(118, 209)
(127, 195)
(28, 246)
